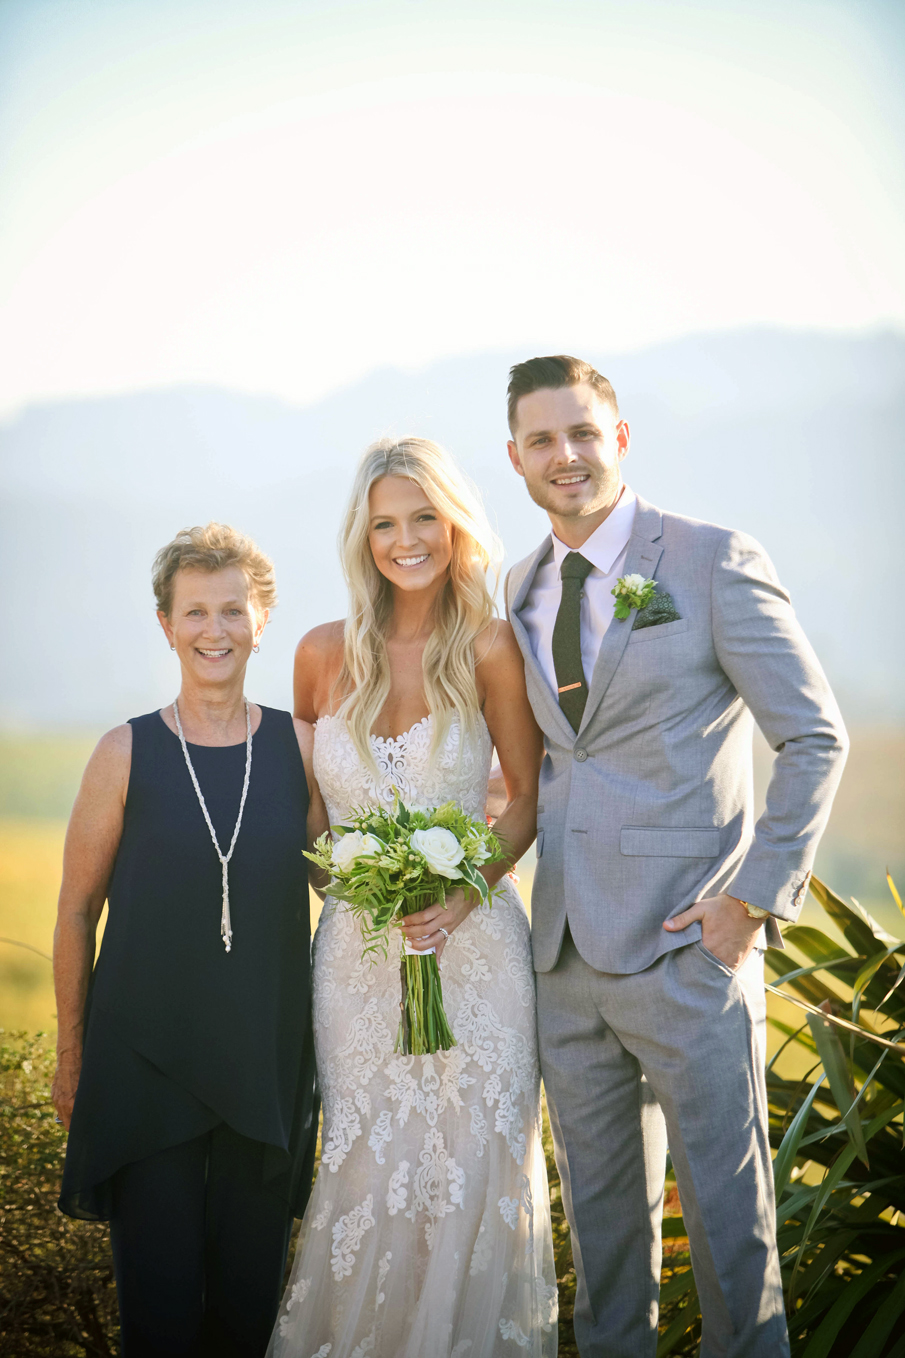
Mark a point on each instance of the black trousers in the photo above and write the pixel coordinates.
(199, 1250)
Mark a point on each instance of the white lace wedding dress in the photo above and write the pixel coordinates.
(428, 1230)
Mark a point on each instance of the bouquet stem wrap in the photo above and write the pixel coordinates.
(423, 1025)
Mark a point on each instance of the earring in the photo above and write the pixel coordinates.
(256, 649)
(172, 648)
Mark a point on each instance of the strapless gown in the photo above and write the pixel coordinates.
(427, 1234)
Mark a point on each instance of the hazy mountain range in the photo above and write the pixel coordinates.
(797, 438)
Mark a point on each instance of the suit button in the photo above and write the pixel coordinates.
(581, 755)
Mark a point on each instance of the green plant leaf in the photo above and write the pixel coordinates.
(791, 1036)
(853, 926)
(895, 895)
(831, 1181)
(834, 1177)
(791, 1209)
(823, 1261)
(785, 1156)
(832, 1055)
(866, 975)
(683, 1321)
(876, 928)
(823, 1338)
(893, 988)
(860, 1030)
(814, 944)
(840, 959)
(677, 1287)
(873, 1341)
(868, 1079)
(809, 985)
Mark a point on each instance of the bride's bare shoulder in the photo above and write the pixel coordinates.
(323, 641)
(496, 645)
(318, 661)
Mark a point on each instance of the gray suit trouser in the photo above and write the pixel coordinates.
(673, 1054)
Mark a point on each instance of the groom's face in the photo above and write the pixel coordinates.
(569, 445)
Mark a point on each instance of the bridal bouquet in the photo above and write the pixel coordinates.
(387, 864)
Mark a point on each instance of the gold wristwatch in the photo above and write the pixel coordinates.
(754, 911)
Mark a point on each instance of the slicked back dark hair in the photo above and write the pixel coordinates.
(556, 370)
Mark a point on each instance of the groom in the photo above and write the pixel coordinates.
(655, 892)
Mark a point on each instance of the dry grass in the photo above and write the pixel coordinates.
(31, 855)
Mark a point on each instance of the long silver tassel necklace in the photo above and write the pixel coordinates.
(226, 930)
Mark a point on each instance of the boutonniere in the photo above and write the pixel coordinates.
(632, 591)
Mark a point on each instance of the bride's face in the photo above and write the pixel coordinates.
(410, 541)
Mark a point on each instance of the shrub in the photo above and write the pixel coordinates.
(57, 1294)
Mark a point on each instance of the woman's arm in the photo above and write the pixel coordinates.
(500, 672)
(518, 741)
(92, 841)
(317, 811)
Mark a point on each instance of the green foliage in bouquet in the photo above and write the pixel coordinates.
(388, 863)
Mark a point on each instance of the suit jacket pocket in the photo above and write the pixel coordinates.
(637, 841)
(663, 629)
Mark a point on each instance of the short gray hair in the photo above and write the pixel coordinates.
(213, 548)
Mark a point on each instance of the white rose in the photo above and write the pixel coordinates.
(440, 848)
(352, 846)
(635, 583)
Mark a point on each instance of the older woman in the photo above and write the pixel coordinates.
(184, 1060)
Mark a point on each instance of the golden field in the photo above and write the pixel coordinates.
(31, 853)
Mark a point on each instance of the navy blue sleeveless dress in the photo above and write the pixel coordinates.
(180, 1035)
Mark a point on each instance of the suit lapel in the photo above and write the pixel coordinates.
(522, 576)
(643, 554)
(554, 719)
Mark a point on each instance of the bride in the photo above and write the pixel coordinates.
(427, 1234)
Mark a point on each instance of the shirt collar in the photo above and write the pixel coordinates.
(607, 543)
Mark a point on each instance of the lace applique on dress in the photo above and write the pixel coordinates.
(432, 1194)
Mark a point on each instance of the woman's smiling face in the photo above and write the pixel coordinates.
(410, 541)
(213, 623)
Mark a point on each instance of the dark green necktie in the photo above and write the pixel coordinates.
(570, 676)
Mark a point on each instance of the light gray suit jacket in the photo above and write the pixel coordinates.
(649, 807)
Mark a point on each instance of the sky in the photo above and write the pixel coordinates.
(281, 197)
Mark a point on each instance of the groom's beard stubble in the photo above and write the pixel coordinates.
(603, 490)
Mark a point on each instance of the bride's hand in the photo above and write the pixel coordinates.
(423, 929)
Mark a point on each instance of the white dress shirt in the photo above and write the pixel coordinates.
(605, 549)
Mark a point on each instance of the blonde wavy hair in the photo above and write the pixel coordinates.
(463, 608)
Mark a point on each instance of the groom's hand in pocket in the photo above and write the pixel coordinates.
(423, 928)
(727, 929)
